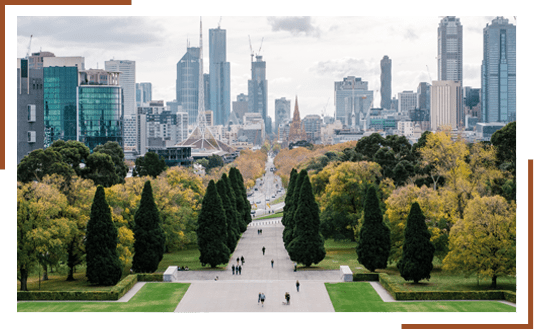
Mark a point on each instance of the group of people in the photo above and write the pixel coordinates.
(182, 268)
(236, 269)
(287, 296)
(260, 231)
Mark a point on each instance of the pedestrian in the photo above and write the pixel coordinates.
(287, 298)
(272, 263)
(242, 260)
(259, 297)
(298, 285)
(263, 249)
(239, 269)
(233, 269)
(237, 260)
(262, 298)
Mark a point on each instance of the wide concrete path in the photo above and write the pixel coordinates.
(239, 293)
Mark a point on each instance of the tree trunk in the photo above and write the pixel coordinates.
(494, 282)
(23, 280)
(45, 272)
(70, 277)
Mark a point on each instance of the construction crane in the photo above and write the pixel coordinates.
(364, 119)
(428, 71)
(219, 25)
(252, 51)
(324, 109)
(28, 53)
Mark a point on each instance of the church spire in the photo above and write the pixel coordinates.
(296, 114)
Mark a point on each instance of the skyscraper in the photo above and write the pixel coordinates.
(352, 99)
(385, 83)
(187, 77)
(445, 98)
(143, 93)
(127, 82)
(499, 72)
(257, 89)
(282, 112)
(219, 82)
(450, 49)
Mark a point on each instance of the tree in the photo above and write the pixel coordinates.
(73, 152)
(307, 245)
(242, 204)
(103, 264)
(149, 244)
(504, 140)
(114, 150)
(214, 161)
(374, 240)
(230, 211)
(40, 163)
(211, 231)
(101, 170)
(289, 200)
(417, 251)
(149, 165)
(289, 225)
(484, 241)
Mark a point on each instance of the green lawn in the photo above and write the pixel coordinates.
(361, 297)
(153, 297)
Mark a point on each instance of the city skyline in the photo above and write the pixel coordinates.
(304, 55)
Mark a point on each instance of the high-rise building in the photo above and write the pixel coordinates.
(352, 100)
(187, 77)
(446, 99)
(257, 89)
(498, 86)
(385, 83)
(30, 120)
(450, 52)
(36, 59)
(143, 93)
(240, 106)
(282, 112)
(99, 109)
(127, 82)
(407, 101)
(219, 78)
(423, 96)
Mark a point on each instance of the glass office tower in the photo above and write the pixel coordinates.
(219, 83)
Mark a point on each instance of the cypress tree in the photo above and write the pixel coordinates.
(149, 244)
(102, 258)
(289, 225)
(289, 194)
(417, 251)
(241, 184)
(242, 204)
(211, 231)
(307, 245)
(374, 243)
(230, 213)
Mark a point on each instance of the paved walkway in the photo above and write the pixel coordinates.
(239, 293)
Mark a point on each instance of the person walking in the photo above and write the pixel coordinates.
(272, 263)
(233, 269)
(287, 298)
(259, 297)
(262, 298)
(239, 269)
(242, 260)
(263, 250)
(237, 260)
(298, 285)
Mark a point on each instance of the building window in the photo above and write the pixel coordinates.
(31, 113)
(31, 136)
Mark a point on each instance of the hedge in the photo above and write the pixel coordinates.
(398, 294)
(119, 290)
(147, 277)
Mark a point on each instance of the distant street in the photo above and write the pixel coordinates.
(267, 189)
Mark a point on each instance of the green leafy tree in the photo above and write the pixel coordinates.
(289, 226)
(374, 240)
(150, 164)
(101, 170)
(307, 245)
(149, 244)
(211, 231)
(103, 264)
(504, 140)
(417, 251)
(114, 150)
(231, 213)
(484, 241)
(214, 161)
(73, 152)
(39, 163)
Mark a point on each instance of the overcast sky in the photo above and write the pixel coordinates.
(304, 55)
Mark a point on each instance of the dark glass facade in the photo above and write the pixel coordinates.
(100, 110)
(59, 96)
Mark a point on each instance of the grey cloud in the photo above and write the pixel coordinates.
(100, 31)
(346, 66)
(295, 25)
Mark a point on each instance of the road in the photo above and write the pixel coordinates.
(267, 191)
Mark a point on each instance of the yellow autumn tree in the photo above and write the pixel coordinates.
(483, 242)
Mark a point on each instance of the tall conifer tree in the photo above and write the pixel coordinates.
(289, 225)
(417, 251)
(211, 231)
(230, 213)
(149, 244)
(307, 245)
(102, 258)
(243, 206)
(374, 243)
